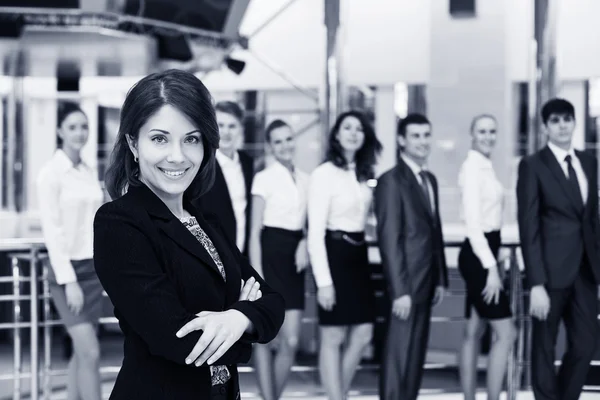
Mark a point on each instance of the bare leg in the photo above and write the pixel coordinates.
(86, 349)
(330, 366)
(72, 378)
(284, 360)
(358, 339)
(263, 362)
(469, 353)
(505, 335)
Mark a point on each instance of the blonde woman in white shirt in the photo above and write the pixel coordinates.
(338, 204)
(278, 250)
(69, 195)
(486, 300)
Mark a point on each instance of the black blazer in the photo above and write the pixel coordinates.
(217, 200)
(158, 277)
(409, 235)
(554, 233)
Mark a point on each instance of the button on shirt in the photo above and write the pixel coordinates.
(482, 201)
(417, 170)
(336, 201)
(560, 155)
(68, 198)
(236, 185)
(285, 195)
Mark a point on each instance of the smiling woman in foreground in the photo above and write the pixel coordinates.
(190, 306)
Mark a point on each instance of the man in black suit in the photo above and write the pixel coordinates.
(557, 194)
(230, 197)
(412, 251)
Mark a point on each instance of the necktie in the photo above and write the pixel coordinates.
(425, 188)
(573, 181)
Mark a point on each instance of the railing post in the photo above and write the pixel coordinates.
(17, 345)
(33, 260)
(47, 333)
(511, 376)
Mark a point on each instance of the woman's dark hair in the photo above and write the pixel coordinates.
(181, 90)
(232, 108)
(276, 124)
(65, 108)
(365, 157)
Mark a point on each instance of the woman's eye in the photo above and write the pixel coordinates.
(192, 139)
(159, 139)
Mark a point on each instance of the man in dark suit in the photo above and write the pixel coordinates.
(557, 194)
(230, 197)
(412, 251)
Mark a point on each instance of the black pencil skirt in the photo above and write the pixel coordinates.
(475, 277)
(347, 254)
(279, 265)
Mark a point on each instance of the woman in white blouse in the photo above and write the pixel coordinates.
(69, 195)
(338, 203)
(278, 250)
(486, 301)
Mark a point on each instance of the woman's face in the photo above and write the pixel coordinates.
(170, 151)
(484, 135)
(74, 131)
(350, 134)
(283, 144)
(230, 131)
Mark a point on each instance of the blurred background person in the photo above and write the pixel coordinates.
(278, 250)
(482, 204)
(229, 198)
(69, 194)
(338, 204)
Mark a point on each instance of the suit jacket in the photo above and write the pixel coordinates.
(158, 277)
(217, 200)
(409, 235)
(554, 233)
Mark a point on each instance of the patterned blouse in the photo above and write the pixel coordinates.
(219, 373)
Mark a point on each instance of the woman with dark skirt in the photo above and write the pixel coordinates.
(278, 250)
(486, 301)
(189, 304)
(69, 194)
(338, 204)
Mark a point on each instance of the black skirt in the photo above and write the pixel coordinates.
(279, 265)
(347, 254)
(475, 277)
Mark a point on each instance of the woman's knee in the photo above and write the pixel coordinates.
(85, 343)
(505, 331)
(333, 337)
(362, 335)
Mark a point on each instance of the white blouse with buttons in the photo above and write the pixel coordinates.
(336, 201)
(285, 195)
(68, 197)
(482, 203)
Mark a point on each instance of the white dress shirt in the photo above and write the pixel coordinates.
(336, 201)
(560, 155)
(236, 185)
(417, 169)
(68, 198)
(482, 203)
(285, 196)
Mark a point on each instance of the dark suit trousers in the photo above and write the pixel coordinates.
(404, 357)
(577, 307)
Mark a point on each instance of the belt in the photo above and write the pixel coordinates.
(345, 236)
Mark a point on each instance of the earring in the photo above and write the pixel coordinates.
(135, 158)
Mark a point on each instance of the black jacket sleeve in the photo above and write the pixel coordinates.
(128, 267)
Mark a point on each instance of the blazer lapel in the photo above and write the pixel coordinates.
(552, 163)
(587, 169)
(169, 224)
(415, 189)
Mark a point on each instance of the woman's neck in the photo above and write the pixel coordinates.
(350, 156)
(173, 202)
(230, 153)
(74, 155)
(287, 164)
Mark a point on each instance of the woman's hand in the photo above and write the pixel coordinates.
(302, 259)
(74, 296)
(250, 290)
(221, 330)
(493, 286)
(326, 297)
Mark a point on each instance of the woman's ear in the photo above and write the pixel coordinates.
(132, 146)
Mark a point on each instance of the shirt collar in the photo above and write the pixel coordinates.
(64, 163)
(559, 153)
(224, 160)
(416, 169)
(479, 158)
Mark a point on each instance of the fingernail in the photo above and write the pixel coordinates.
(178, 334)
(188, 361)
